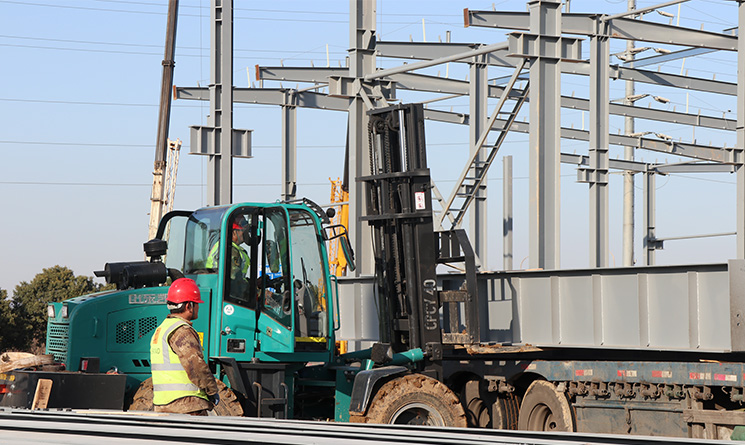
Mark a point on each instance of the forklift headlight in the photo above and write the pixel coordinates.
(50, 311)
(63, 312)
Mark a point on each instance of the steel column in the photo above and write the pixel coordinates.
(289, 147)
(220, 171)
(740, 207)
(478, 101)
(628, 155)
(507, 214)
(544, 142)
(361, 63)
(649, 218)
(599, 163)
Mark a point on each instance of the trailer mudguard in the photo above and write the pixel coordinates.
(364, 382)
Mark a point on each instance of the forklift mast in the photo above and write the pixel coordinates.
(406, 247)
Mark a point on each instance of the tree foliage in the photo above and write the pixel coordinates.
(24, 316)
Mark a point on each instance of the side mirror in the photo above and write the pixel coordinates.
(348, 252)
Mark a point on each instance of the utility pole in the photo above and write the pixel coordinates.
(157, 197)
(628, 154)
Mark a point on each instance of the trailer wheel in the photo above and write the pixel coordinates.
(505, 412)
(545, 409)
(416, 400)
(229, 404)
(476, 407)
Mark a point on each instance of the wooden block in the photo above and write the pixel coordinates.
(9, 362)
(42, 393)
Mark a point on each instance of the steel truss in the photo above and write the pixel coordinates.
(359, 87)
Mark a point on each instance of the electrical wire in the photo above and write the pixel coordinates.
(193, 48)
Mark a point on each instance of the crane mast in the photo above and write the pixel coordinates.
(158, 195)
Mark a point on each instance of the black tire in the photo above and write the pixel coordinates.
(505, 412)
(229, 404)
(415, 400)
(477, 409)
(544, 408)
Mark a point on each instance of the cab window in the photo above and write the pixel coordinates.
(190, 240)
(237, 251)
(275, 267)
(308, 279)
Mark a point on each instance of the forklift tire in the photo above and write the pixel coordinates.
(544, 408)
(415, 400)
(229, 404)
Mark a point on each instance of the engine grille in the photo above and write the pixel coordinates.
(57, 339)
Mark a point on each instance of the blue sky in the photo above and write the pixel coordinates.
(80, 88)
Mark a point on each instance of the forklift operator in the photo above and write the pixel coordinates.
(238, 256)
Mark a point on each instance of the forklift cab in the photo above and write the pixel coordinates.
(265, 270)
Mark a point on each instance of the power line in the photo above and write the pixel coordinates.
(70, 102)
(205, 56)
(144, 45)
(85, 144)
(282, 11)
(272, 19)
(86, 8)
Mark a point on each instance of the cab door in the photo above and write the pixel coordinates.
(275, 294)
(313, 321)
(237, 308)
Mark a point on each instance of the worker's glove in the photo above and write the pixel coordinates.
(214, 399)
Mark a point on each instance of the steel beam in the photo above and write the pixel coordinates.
(427, 63)
(309, 99)
(583, 163)
(421, 82)
(599, 142)
(294, 73)
(620, 28)
(424, 50)
(693, 168)
(662, 58)
(272, 96)
(701, 152)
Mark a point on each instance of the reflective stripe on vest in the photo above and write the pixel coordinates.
(214, 256)
(170, 381)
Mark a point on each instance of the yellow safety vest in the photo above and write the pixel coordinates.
(170, 381)
(214, 254)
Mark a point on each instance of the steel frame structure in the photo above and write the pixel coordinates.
(540, 36)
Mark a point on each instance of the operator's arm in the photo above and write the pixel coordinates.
(185, 343)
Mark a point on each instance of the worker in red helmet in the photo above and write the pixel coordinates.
(182, 381)
(239, 259)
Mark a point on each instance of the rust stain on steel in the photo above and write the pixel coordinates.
(499, 349)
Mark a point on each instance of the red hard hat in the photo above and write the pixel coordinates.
(183, 290)
(239, 224)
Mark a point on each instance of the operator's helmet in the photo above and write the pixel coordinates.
(183, 290)
(239, 223)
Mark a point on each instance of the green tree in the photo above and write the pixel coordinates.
(6, 332)
(28, 307)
